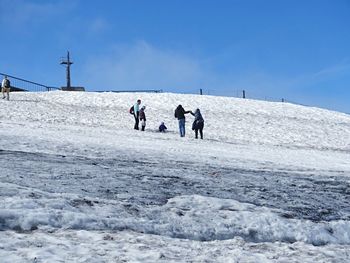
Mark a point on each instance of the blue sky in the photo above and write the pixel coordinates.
(293, 49)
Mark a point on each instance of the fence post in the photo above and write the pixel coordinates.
(282, 99)
(200, 91)
(243, 94)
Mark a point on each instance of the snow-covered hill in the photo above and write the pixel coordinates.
(269, 182)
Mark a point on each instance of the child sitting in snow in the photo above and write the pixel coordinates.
(162, 127)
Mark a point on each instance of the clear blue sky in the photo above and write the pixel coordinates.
(293, 49)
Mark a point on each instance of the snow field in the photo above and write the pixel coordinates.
(79, 184)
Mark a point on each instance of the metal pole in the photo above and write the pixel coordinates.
(68, 71)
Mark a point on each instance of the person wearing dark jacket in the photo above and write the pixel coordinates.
(162, 127)
(143, 118)
(198, 123)
(180, 115)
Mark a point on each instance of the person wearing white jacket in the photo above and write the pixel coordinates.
(5, 87)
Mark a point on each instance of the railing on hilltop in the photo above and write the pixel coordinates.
(244, 94)
(142, 91)
(18, 84)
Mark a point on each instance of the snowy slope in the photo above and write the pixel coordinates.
(269, 182)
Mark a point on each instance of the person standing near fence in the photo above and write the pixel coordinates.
(5, 87)
(180, 115)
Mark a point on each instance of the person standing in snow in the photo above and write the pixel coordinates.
(180, 115)
(136, 113)
(162, 127)
(5, 87)
(143, 118)
(198, 123)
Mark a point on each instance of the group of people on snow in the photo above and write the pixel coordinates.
(139, 114)
(197, 125)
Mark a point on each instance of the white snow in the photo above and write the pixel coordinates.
(269, 182)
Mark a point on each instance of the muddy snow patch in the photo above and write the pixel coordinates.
(206, 219)
(191, 217)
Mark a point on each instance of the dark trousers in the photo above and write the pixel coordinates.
(136, 116)
(200, 132)
(198, 126)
